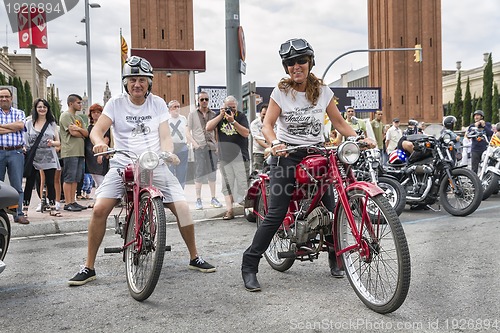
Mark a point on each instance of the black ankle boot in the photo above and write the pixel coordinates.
(250, 281)
(334, 267)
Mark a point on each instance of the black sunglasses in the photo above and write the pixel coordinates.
(204, 99)
(300, 61)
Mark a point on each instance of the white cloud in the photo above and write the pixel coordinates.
(333, 27)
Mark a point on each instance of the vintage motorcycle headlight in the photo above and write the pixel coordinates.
(348, 152)
(149, 160)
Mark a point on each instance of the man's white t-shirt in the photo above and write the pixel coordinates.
(135, 127)
(300, 122)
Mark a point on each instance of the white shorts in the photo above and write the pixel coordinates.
(112, 186)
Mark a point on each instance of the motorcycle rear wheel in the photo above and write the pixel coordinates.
(279, 243)
(4, 234)
(394, 193)
(143, 266)
(378, 267)
(490, 184)
(469, 196)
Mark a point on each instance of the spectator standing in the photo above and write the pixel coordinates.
(72, 136)
(96, 166)
(394, 133)
(11, 148)
(45, 160)
(379, 131)
(139, 121)
(204, 148)
(355, 123)
(178, 131)
(259, 142)
(232, 131)
(479, 144)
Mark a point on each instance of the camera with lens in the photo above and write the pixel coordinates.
(227, 110)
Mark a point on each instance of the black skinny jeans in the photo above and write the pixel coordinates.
(34, 181)
(282, 182)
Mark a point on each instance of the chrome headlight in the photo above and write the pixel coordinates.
(348, 152)
(496, 154)
(446, 138)
(149, 160)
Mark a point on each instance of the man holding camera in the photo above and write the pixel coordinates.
(233, 131)
(479, 144)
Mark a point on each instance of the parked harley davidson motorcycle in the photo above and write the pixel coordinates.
(431, 175)
(368, 239)
(369, 169)
(489, 169)
(8, 205)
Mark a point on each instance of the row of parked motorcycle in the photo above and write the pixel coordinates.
(433, 176)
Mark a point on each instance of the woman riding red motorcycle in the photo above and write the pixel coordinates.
(298, 104)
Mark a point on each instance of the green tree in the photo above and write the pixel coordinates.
(2, 79)
(28, 98)
(494, 105)
(467, 110)
(457, 103)
(16, 82)
(487, 89)
(55, 104)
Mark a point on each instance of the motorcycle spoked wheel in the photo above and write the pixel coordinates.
(279, 243)
(470, 193)
(379, 270)
(490, 184)
(143, 267)
(394, 192)
(4, 234)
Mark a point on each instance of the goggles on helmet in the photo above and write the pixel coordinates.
(135, 61)
(296, 44)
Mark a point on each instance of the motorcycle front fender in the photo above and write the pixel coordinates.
(153, 191)
(252, 192)
(369, 188)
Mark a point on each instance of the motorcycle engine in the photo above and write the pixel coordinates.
(319, 217)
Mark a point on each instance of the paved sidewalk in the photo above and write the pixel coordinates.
(44, 223)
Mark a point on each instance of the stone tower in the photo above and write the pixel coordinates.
(410, 90)
(107, 94)
(164, 24)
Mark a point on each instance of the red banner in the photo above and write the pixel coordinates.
(32, 26)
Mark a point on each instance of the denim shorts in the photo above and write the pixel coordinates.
(73, 169)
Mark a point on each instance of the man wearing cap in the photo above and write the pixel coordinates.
(393, 135)
(479, 144)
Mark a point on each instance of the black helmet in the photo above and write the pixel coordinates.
(449, 122)
(294, 48)
(137, 66)
(412, 127)
(479, 112)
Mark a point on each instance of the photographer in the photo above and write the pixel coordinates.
(479, 144)
(232, 132)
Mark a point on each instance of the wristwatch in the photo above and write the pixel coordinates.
(275, 143)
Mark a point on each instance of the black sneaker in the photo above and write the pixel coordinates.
(83, 276)
(71, 208)
(199, 264)
(76, 204)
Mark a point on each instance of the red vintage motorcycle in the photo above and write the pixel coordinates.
(144, 226)
(368, 238)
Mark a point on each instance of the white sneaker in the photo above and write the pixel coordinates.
(57, 206)
(39, 207)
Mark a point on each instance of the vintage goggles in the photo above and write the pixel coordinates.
(135, 61)
(297, 44)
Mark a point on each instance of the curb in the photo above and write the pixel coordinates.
(62, 226)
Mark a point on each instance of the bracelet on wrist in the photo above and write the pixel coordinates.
(233, 122)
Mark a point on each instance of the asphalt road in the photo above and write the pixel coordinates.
(455, 285)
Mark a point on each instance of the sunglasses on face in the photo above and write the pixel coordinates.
(297, 44)
(300, 61)
(203, 99)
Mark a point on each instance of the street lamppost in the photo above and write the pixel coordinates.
(86, 43)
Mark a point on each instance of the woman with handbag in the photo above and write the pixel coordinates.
(42, 138)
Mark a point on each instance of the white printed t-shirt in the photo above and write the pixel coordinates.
(300, 122)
